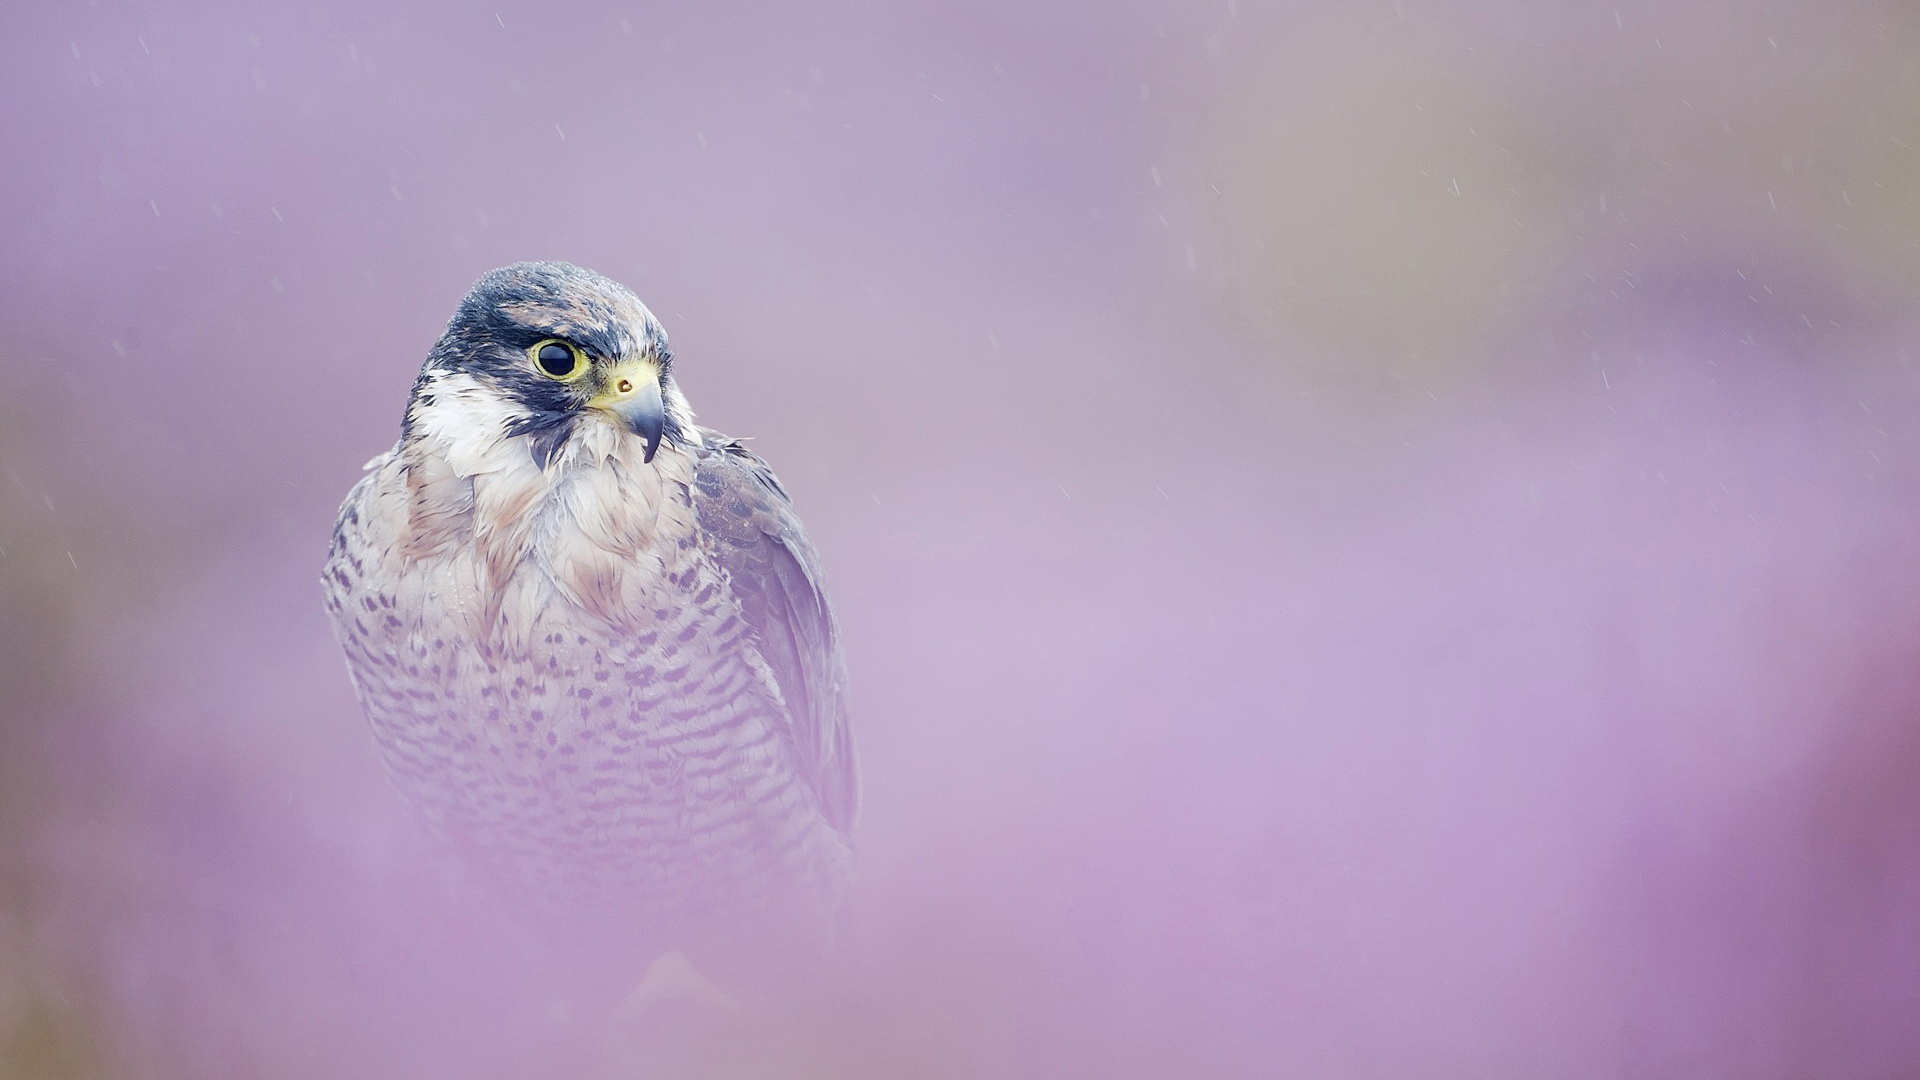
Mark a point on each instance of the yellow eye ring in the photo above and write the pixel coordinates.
(557, 359)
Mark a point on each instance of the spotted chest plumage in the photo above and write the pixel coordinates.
(642, 758)
(605, 675)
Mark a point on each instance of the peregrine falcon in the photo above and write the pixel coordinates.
(590, 635)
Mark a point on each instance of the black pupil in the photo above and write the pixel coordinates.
(555, 359)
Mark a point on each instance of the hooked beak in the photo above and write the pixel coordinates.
(630, 393)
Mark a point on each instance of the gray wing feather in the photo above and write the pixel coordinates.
(777, 580)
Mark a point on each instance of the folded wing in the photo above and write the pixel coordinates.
(776, 578)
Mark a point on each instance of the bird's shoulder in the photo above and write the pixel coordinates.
(359, 517)
(726, 472)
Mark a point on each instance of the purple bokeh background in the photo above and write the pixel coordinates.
(1373, 540)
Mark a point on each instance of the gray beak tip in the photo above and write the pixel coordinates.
(645, 414)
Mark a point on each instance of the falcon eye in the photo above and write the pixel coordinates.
(558, 359)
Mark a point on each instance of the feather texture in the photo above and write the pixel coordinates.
(614, 684)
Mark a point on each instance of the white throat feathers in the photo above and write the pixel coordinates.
(598, 528)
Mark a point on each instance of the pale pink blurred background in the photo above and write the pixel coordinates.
(1375, 540)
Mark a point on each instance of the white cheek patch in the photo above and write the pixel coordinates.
(466, 425)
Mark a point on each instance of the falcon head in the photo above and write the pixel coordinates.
(539, 351)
